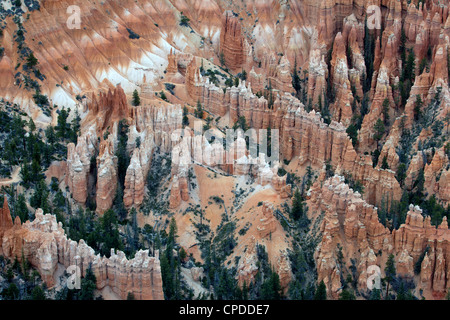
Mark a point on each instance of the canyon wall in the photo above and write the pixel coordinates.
(44, 244)
(353, 224)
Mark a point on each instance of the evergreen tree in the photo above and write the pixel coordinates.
(390, 272)
(401, 173)
(76, 127)
(20, 208)
(369, 52)
(384, 163)
(199, 111)
(136, 99)
(352, 132)
(418, 107)
(88, 286)
(185, 117)
(123, 158)
(297, 207)
(379, 131)
(63, 128)
(296, 83)
(347, 294)
(38, 293)
(321, 292)
(375, 294)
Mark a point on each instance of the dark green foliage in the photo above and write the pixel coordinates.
(347, 294)
(390, 272)
(321, 293)
(401, 173)
(352, 132)
(384, 163)
(417, 107)
(302, 262)
(40, 99)
(75, 127)
(221, 59)
(404, 293)
(163, 96)
(297, 206)
(242, 124)
(375, 294)
(242, 75)
(369, 54)
(136, 99)
(11, 293)
(39, 199)
(379, 129)
(101, 234)
(123, 158)
(38, 293)
(88, 287)
(170, 266)
(271, 288)
(198, 113)
(31, 61)
(20, 208)
(418, 264)
(185, 117)
(107, 233)
(184, 21)
(132, 34)
(63, 128)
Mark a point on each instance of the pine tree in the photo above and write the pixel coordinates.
(76, 126)
(390, 272)
(199, 111)
(297, 207)
(38, 293)
(321, 292)
(20, 208)
(63, 128)
(384, 163)
(418, 107)
(379, 131)
(296, 84)
(185, 117)
(136, 99)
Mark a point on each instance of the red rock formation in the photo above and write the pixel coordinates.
(78, 164)
(134, 181)
(44, 244)
(109, 107)
(231, 41)
(175, 194)
(106, 176)
(317, 76)
(247, 267)
(172, 67)
(341, 109)
(284, 271)
(364, 235)
(6, 222)
(268, 222)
